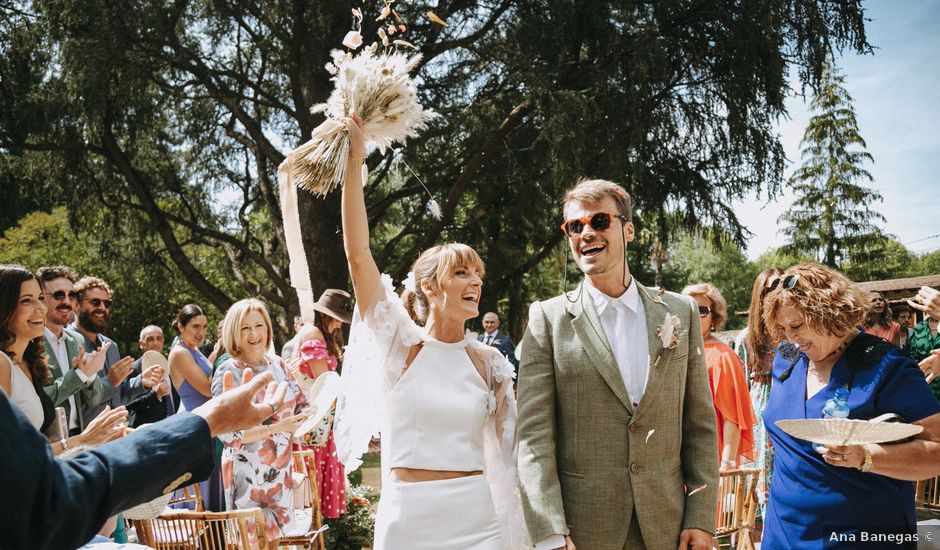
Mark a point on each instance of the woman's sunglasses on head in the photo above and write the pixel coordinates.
(788, 282)
(598, 222)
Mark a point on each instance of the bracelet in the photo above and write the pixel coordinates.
(65, 446)
(866, 464)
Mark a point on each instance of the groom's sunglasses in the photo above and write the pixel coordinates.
(598, 222)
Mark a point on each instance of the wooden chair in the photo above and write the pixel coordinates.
(927, 494)
(187, 530)
(310, 515)
(737, 508)
(190, 493)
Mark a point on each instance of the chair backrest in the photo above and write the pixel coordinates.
(737, 501)
(307, 501)
(927, 493)
(190, 493)
(187, 530)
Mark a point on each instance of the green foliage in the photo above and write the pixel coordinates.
(832, 219)
(146, 289)
(696, 260)
(355, 529)
(883, 258)
(170, 120)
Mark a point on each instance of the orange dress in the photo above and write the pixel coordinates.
(731, 396)
(889, 333)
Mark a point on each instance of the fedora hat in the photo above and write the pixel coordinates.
(335, 303)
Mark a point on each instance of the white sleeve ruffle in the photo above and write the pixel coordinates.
(500, 455)
(373, 362)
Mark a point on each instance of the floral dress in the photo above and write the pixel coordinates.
(259, 474)
(331, 477)
(763, 450)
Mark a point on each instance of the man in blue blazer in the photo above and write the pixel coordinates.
(48, 503)
(493, 337)
(118, 387)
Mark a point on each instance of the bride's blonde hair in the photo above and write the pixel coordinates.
(435, 265)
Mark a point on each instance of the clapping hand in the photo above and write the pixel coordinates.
(162, 390)
(120, 371)
(237, 408)
(107, 426)
(151, 377)
(927, 300)
(930, 365)
(91, 363)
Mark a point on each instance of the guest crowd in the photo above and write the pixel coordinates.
(810, 332)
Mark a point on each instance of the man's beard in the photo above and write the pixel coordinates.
(89, 324)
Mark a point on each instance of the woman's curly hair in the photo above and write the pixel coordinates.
(829, 302)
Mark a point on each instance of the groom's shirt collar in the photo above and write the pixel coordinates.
(630, 298)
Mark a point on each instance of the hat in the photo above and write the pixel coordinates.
(335, 303)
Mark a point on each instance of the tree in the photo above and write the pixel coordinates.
(696, 260)
(178, 115)
(831, 218)
(147, 288)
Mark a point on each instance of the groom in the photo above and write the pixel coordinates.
(617, 441)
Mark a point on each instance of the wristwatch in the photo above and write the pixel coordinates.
(866, 463)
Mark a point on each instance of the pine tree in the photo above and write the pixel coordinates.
(831, 218)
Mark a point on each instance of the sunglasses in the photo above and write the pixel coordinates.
(788, 282)
(60, 295)
(98, 301)
(703, 311)
(598, 222)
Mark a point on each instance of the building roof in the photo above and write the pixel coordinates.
(909, 283)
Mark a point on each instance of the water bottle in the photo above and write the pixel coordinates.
(838, 406)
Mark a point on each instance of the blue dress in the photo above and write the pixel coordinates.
(814, 505)
(190, 398)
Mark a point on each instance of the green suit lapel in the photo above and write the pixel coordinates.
(71, 347)
(52, 359)
(656, 311)
(587, 326)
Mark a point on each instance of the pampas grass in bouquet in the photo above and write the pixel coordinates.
(375, 84)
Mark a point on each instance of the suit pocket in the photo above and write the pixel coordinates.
(570, 474)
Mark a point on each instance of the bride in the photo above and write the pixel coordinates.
(442, 401)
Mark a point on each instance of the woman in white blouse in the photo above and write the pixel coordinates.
(444, 401)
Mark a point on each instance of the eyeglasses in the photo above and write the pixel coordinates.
(788, 282)
(703, 311)
(60, 295)
(599, 222)
(98, 301)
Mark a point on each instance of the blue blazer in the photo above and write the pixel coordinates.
(47, 503)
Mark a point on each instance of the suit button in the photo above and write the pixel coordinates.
(633, 427)
(634, 467)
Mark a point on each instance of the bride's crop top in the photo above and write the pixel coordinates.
(437, 411)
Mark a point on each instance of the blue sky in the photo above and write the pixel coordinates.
(896, 93)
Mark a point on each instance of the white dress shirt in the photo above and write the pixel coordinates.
(62, 358)
(489, 337)
(623, 320)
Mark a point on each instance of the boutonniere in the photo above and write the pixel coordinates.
(668, 333)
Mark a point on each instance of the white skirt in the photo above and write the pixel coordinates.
(446, 514)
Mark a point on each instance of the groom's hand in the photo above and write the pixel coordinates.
(695, 539)
(569, 545)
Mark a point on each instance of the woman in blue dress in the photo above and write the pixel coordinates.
(191, 373)
(839, 497)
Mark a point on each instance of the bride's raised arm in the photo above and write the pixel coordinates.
(366, 280)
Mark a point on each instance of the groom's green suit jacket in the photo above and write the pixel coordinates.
(587, 460)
